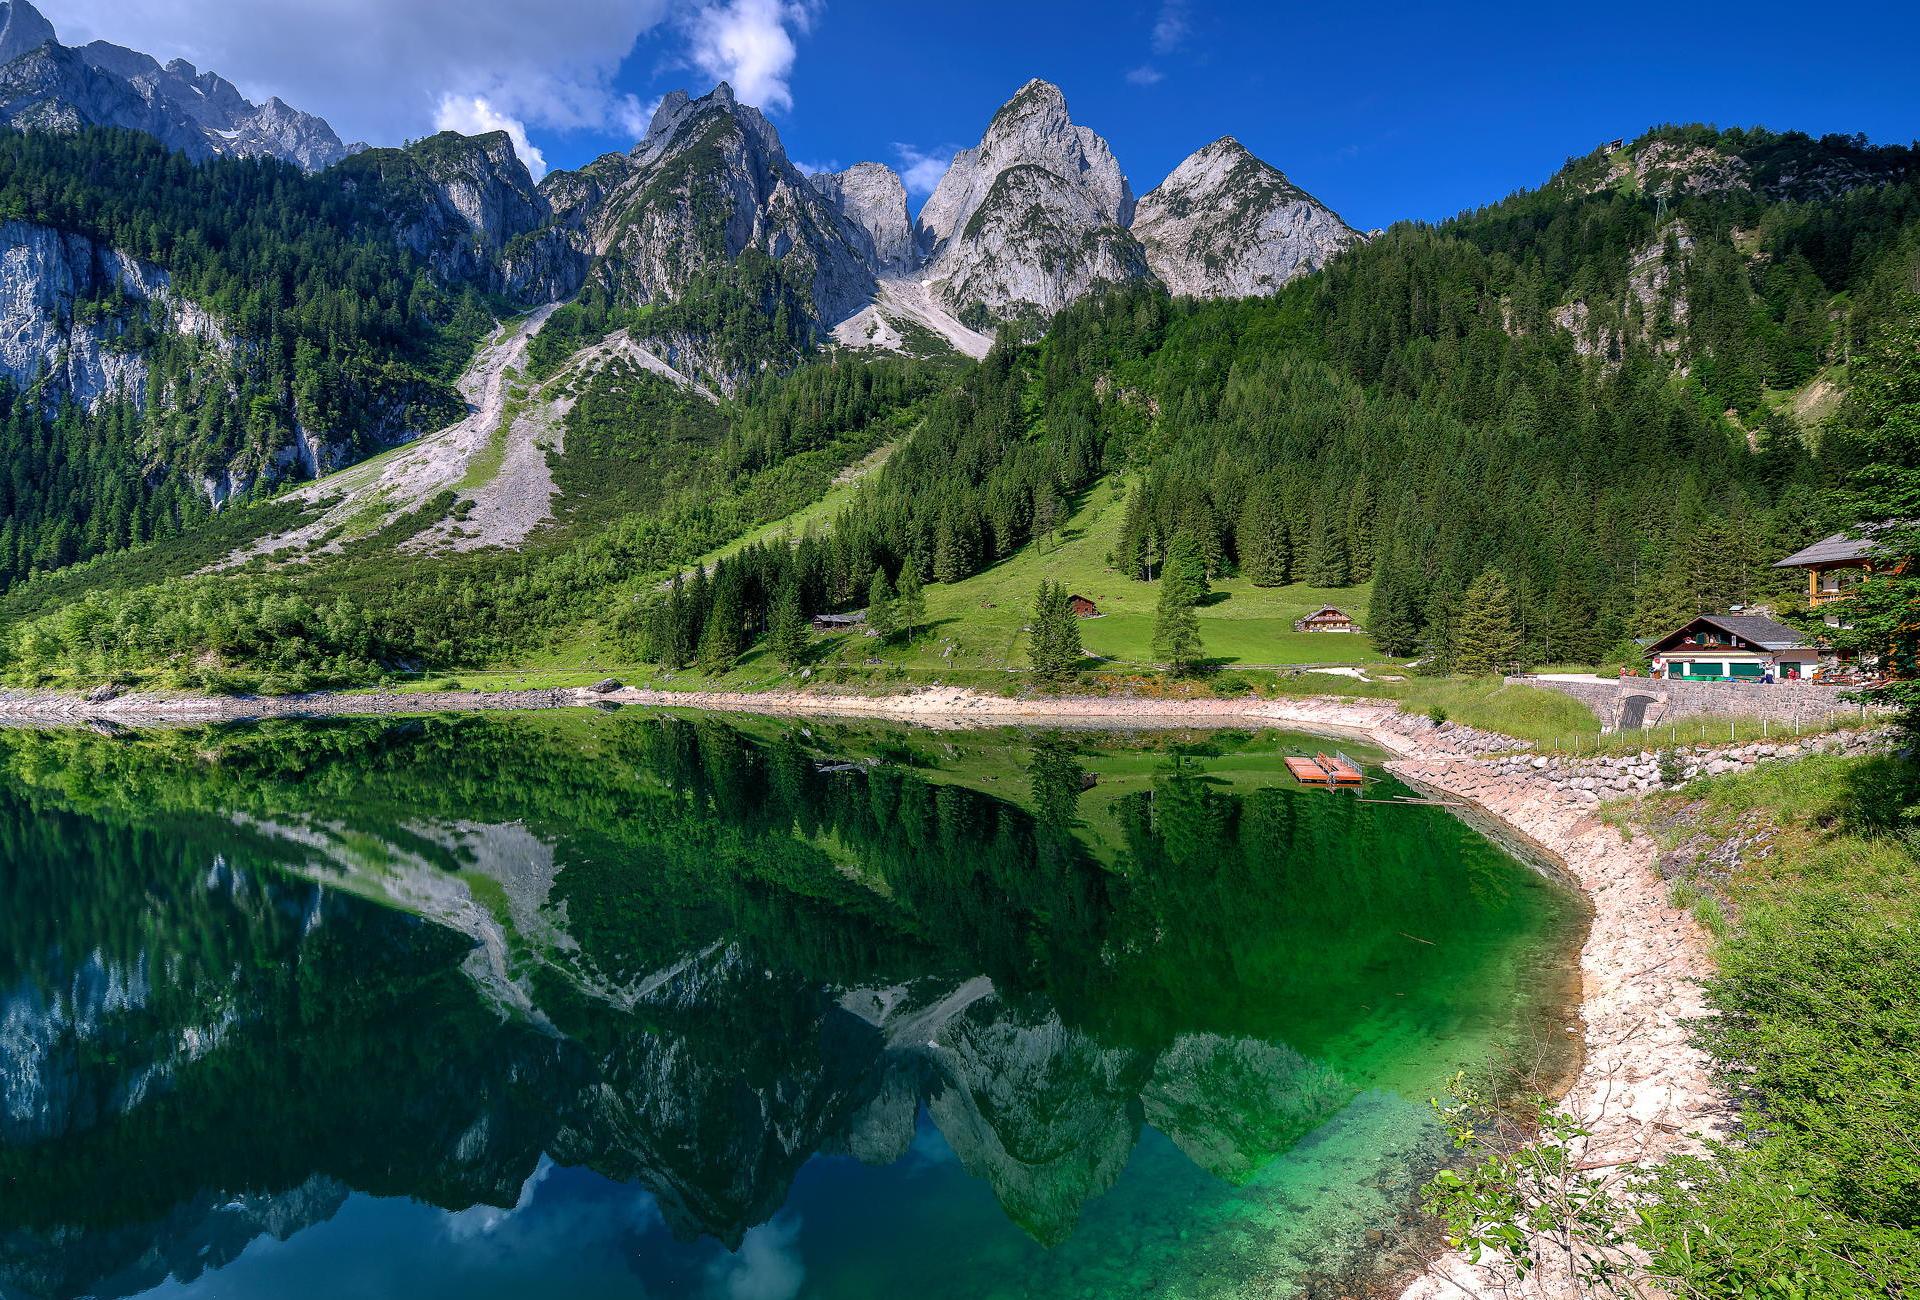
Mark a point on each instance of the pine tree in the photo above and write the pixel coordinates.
(1393, 618)
(1265, 554)
(1176, 627)
(910, 606)
(880, 619)
(724, 635)
(1485, 640)
(1053, 647)
(1330, 568)
(788, 638)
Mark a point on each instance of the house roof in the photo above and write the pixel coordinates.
(1326, 609)
(1756, 629)
(1837, 549)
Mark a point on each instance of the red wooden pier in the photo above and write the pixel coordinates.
(1337, 770)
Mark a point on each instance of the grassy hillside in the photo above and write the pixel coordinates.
(1810, 872)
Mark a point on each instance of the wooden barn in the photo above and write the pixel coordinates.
(1327, 619)
(853, 622)
(1082, 607)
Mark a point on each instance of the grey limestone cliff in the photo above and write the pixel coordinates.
(1226, 225)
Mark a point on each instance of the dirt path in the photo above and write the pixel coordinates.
(1642, 1090)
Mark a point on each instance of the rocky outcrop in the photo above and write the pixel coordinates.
(66, 305)
(1033, 217)
(874, 199)
(468, 207)
(48, 86)
(1226, 225)
(709, 181)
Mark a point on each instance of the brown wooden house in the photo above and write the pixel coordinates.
(1834, 565)
(1082, 607)
(1327, 619)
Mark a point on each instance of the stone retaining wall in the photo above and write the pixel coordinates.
(1634, 702)
(1613, 776)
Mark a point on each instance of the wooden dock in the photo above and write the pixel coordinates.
(1325, 770)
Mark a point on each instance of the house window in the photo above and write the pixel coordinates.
(1747, 670)
(1707, 670)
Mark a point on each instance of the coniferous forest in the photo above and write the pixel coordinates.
(1583, 387)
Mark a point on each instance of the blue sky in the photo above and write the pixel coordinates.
(1384, 111)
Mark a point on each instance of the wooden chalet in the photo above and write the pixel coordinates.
(1082, 607)
(1833, 564)
(1733, 648)
(853, 622)
(1327, 619)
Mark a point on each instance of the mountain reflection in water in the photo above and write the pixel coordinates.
(716, 997)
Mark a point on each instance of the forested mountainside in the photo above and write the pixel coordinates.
(1625, 390)
(176, 332)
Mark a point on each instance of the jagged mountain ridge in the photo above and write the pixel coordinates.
(709, 181)
(49, 86)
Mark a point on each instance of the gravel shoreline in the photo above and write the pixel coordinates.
(1643, 1090)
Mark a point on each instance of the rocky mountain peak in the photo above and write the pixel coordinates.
(1226, 224)
(48, 86)
(1032, 217)
(873, 197)
(22, 30)
(1032, 129)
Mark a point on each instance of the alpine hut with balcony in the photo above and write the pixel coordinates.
(1733, 647)
(1833, 564)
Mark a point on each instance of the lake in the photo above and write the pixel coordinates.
(626, 1003)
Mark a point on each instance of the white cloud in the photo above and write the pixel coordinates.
(747, 44)
(920, 169)
(485, 1220)
(1145, 75)
(766, 1267)
(1170, 27)
(384, 70)
(473, 115)
(815, 168)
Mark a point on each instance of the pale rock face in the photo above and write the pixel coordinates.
(1226, 225)
(49, 86)
(872, 196)
(48, 278)
(1034, 216)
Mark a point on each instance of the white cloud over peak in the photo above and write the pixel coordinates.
(921, 169)
(474, 115)
(749, 45)
(766, 1267)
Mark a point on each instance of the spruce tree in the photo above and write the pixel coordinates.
(1265, 553)
(1330, 568)
(910, 605)
(880, 606)
(1176, 627)
(788, 638)
(1053, 647)
(724, 636)
(1485, 639)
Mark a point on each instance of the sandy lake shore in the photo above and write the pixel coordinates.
(1642, 1090)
